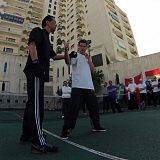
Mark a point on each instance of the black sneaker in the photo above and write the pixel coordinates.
(98, 129)
(65, 133)
(47, 148)
(24, 139)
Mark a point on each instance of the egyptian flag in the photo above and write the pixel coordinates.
(151, 74)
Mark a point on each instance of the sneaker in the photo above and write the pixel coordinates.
(24, 139)
(65, 133)
(98, 129)
(47, 148)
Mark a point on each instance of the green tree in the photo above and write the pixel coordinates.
(59, 92)
(69, 81)
(97, 78)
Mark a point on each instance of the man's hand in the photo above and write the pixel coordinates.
(87, 56)
(66, 47)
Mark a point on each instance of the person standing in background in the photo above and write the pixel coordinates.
(66, 96)
(105, 98)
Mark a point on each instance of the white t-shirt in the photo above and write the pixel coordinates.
(132, 87)
(155, 86)
(66, 92)
(81, 74)
(142, 87)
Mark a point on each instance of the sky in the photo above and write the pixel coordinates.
(144, 18)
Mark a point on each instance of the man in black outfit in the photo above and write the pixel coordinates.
(37, 72)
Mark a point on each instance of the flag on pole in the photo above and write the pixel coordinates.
(151, 74)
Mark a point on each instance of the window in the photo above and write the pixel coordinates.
(3, 86)
(72, 46)
(49, 5)
(54, 12)
(63, 71)
(9, 50)
(57, 72)
(5, 67)
(12, 18)
(11, 39)
(69, 70)
(25, 86)
(72, 37)
(49, 10)
(52, 38)
(50, 1)
(97, 60)
(50, 78)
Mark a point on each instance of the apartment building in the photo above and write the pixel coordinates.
(17, 19)
(102, 22)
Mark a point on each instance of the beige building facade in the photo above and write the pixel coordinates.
(102, 22)
(17, 19)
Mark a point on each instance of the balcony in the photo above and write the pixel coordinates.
(62, 20)
(62, 10)
(61, 34)
(81, 31)
(63, 1)
(62, 15)
(129, 34)
(111, 4)
(59, 41)
(60, 28)
(133, 51)
(117, 33)
(116, 25)
(112, 10)
(59, 50)
(79, 1)
(80, 6)
(79, 11)
(62, 4)
(125, 19)
(4, 41)
(9, 30)
(122, 53)
(80, 24)
(37, 3)
(127, 26)
(17, 8)
(22, 48)
(130, 42)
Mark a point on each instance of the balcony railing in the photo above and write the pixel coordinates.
(10, 30)
(9, 42)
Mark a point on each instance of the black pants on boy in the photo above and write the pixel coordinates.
(65, 105)
(78, 95)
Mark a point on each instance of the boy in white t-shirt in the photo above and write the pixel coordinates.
(82, 89)
(132, 91)
(142, 90)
